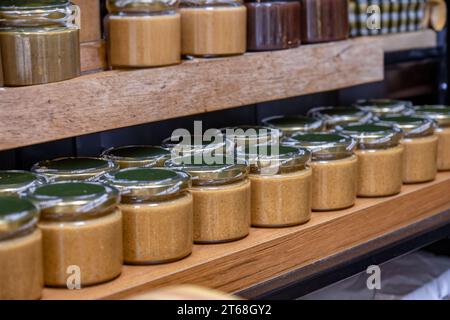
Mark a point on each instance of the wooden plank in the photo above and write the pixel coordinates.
(269, 253)
(409, 40)
(93, 56)
(121, 98)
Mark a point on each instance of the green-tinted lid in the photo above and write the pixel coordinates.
(411, 126)
(185, 145)
(243, 136)
(380, 107)
(70, 200)
(141, 184)
(292, 124)
(275, 159)
(13, 182)
(373, 136)
(216, 170)
(340, 116)
(324, 145)
(140, 6)
(74, 169)
(439, 113)
(137, 156)
(15, 214)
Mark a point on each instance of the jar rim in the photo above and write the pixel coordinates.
(16, 213)
(294, 123)
(383, 106)
(439, 113)
(136, 155)
(18, 181)
(372, 135)
(411, 126)
(340, 115)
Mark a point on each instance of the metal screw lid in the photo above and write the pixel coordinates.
(15, 182)
(292, 124)
(137, 156)
(372, 136)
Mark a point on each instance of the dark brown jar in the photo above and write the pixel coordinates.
(324, 20)
(272, 25)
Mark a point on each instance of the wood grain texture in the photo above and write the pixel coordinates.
(409, 40)
(90, 20)
(121, 98)
(269, 253)
(93, 56)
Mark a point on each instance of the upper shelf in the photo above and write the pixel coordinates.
(423, 39)
(121, 98)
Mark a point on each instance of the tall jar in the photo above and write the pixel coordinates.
(324, 20)
(384, 107)
(420, 144)
(143, 33)
(39, 41)
(290, 125)
(21, 266)
(213, 27)
(82, 233)
(441, 115)
(340, 116)
(74, 169)
(272, 24)
(280, 185)
(221, 192)
(157, 214)
(380, 158)
(334, 169)
(137, 156)
(16, 182)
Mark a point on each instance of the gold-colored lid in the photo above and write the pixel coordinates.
(324, 146)
(137, 156)
(186, 145)
(142, 184)
(275, 159)
(412, 127)
(73, 200)
(381, 107)
(372, 136)
(439, 113)
(16, 214)
(140, 6)
(74, 169)
(244, 136)
(340, 116)
(292, 124)
(15, 182)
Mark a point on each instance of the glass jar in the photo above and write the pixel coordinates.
(384, 107)
(213, 27)
(16, 183)
(137, 156)
(334, 169)
(81, 168)
(21, 267)
(82, 232)
(280, 185)
(39, 41)
(290, 125)
(441, 115)
(143, 33)
(272, 24)
(420, 144)
(324, 20)
(221, 192)
(380, 158)
(157, 214)
(340, 116)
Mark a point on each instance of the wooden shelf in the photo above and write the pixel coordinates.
(271, 254)
(423, 39)
(115, 99)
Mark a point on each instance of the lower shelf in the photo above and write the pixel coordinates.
(270, 253)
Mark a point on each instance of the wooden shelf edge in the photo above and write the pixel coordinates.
(423, 39)
(269, 253)
(121, 98)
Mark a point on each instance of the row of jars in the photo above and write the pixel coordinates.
(39, 40)
(96, 213)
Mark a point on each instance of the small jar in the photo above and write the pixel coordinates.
(39, 41)
(334, 169)
(324, 20)
(213, 27)
(16, 183)
(137, 156)
(82, 232)
(280, 185)
(384, 107)
(290, 125)
(143, 33)
(272, 24)
(245, 136)
(157, 214)
(191, 145)
(380, 158)
(420, 144)
(71, 169)
(441, 115)
(21, 266)
(221, 194)
(340, 116)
